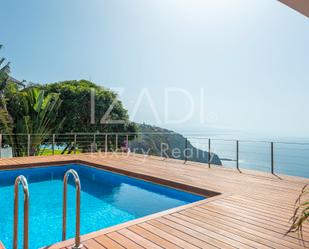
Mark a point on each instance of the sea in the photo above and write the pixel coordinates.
(290, 154)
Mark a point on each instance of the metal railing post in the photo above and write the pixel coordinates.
(272, 157)
(64, 208)
(116, 142)
(127, 143)
(75, 143)
(28, 144)
(53, 145)
(209, 153)
(21, 179)
(94, 143)
(105, 145)
(186, 147)
(0, 146)
(237, 154)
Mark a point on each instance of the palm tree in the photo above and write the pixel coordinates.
(4, 71)
(4, 75)
(25, 111)
(4, 80)
(32, 112)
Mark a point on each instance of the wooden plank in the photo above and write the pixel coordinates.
(195, 234)
(214, 207)
(167, 236)
(175, 232)
(274, 218)
(205, 231)
(263, 237)
(220, 230)
(152, 237)
(235, 219)
(124, 241)
(92, 244)
(108, 243)
(139, 239)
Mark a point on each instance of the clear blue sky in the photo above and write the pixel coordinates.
(251, 57)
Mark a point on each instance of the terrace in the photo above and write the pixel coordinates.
(239, 204)
(246, 209)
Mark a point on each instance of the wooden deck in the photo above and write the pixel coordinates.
(252, 211)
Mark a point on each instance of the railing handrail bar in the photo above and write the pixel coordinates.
(21, 179)
(188, 136)
(64, 209)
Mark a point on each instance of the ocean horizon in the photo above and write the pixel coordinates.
(291, 155)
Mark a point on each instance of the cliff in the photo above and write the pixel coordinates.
(162, 142)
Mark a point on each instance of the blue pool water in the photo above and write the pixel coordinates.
(107, 199)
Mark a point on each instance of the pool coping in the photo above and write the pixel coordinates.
(172, 184)
(103, 231)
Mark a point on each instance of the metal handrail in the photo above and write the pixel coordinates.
(64, 210)
(21, 179)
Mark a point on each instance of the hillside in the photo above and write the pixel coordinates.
(162, 142)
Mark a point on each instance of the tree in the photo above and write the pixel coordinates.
(41, 110)
(25, 111)
(4, 75)
(5, 79)
(4, 72)
(76, 107)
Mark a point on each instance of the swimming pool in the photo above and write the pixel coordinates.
(107, 199)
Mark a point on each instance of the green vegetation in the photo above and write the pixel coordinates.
(29, 111)
(76, 107)
(301, 213)
(4, 75)
(4, 71)
(42, 110)
(162, 142)
(49, 152)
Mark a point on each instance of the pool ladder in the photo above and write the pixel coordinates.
(23, 181)
(72, 172)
